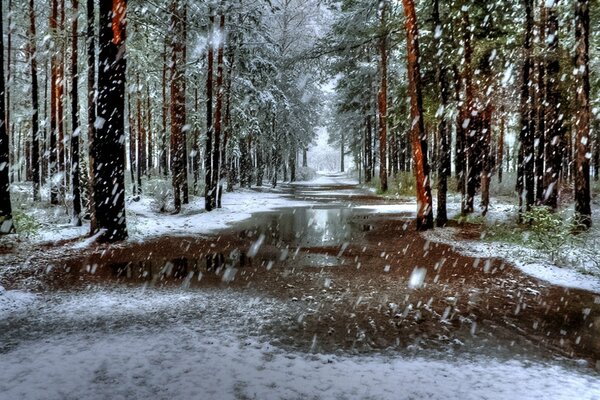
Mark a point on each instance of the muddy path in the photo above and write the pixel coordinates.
(356, 281)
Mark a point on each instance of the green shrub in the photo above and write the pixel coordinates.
(25, 224)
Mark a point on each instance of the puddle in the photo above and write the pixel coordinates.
(360, 280)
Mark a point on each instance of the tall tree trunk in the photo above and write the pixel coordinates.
(218, 132)
(583, 210)
(60, 107)
(75, 121)
(418, 134)
(368, 150)
(210, 200)
(8, 84)
(382, 100)
(469, 124)
(6, 221)
(540, 101)
(91, 106)
(444, 158)
(149, 130)
(35, 124)
(500, 150)
(108, 148)
(525, 179)
(178, 117)
(53, 159)
(164, 165)
(553, 126)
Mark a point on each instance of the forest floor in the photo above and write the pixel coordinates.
(327, 291)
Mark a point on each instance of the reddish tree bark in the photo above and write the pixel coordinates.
(418, 134)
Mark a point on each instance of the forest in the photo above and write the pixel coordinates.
(303, 198)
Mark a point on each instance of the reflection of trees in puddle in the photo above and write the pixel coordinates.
(158, 270)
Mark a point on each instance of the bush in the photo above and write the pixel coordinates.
(25, 224)
(305, 174)
(161, 193)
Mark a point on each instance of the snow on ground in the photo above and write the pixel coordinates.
(534, 262)
(237, 206)
(109, 346)
(13, 301)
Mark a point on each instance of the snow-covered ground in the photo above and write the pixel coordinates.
(164, 345)
(576, 274)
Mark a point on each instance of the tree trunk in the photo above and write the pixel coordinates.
(382, 102)
(6, 221)
(470, 124)
(210, 200)
(583, 210)
(444, 158)
(91, 98)
(553, 127)
(75, 122)
(35, 125)
(418, 134)
(218, 132)
(525, 179)
(501, 133)
(108, 148)
(178, 117)
(53, 108)
(165, 109)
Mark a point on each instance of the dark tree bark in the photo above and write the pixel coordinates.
(501, 133)
(35, 124)
(539, 101)
(469, 124)
(53, 158)
(108, 149)
(553, 127)
(418, 134)
(91, 106)
(6, 221)
(218, 123)
(444, 159)
(583, 209)
(60, 107)
(210, 199)
(165, 110)
(382, 101)
(75, 122)
(368, 149)
(178, 115)
(526, 179)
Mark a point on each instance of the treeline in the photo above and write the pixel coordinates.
(104, 96)
(447, 95)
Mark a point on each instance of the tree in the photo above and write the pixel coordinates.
(108, 150)
(553, 129)
(417, 130)
(444, 158)
(210, 190)
(178, 114)
(526, 179)
(75, 163)
(382, 99)
(583, 210)
(91, 107)
(35, 125)
(6, 221)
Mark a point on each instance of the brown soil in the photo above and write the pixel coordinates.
(362, 300)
